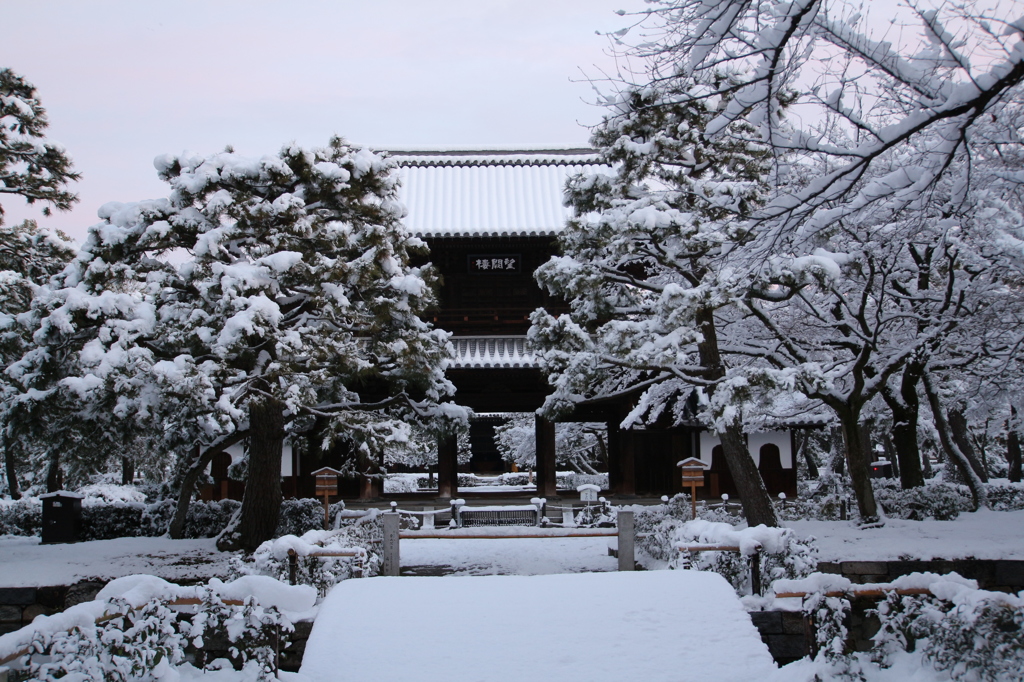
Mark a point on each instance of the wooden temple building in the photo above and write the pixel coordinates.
(491, 218)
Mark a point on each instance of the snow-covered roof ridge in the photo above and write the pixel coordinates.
(492, 351)
(476, 157)
(489, 192)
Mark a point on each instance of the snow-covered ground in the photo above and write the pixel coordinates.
(981, 535)
(604, 627)
(523, 556)
(26, 563)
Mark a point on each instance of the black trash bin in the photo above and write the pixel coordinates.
(62, 516)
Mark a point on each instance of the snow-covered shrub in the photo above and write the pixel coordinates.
(599, 515)
(782, 553)
(935, 500)
(967, 633)
(364, 534)
(656, 526)
(140, 644)
(978, 637)
(21, 517)
(1006, 496)
(517, 478)
(112, 493)
(401, 483)
(251, 631)
(818, 500)
(105, 521)
(142, 638)
(299, 516)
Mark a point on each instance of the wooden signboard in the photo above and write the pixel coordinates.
(327, 485)
(693, 476)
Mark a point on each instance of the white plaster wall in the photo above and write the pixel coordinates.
(754, 442)
(778, 438)
(286, 460)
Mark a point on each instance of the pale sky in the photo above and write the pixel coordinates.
(125, 81)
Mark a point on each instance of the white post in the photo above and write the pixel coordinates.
(428, 518)
(624, 522)
(390, 543)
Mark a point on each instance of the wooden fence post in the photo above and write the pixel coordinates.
(624, 523)
(3, 674)
(755, 573)
(390, 543)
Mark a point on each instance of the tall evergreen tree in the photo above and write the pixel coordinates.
(31, 166)
(260, 292)
(644, 264)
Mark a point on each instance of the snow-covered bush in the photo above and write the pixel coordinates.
(111, 493)
(131, 633)
(299, 516)
(1006, 496)
(105, 521)
(818, 500)
(139, 644)
(364, 534)
(251, 631)
(935, 500)
(656, 526)
(782, 554)
(21, 517)
(401, 483)
(967, 633)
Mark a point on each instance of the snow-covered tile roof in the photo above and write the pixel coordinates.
(491, 351)
(480, 192)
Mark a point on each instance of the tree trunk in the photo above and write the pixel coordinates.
(837, 453)
(890, 454)
(54, 479)
(127, 470)
(953, 452)
(960, 435)
(858, 458)
(1013, 456)
(757, 504)
(261, 503)
(188, 482)
(12, 475)
(905, 409)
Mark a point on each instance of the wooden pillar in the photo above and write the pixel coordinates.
(546, 480)
(448, 466)
(627, 463)
(370, 487)
(614, 455)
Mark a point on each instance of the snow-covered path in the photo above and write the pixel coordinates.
(656, 626)
(26, 563)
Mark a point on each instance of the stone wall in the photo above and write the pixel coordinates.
(20, 605)
(786, 633)
(996, 575)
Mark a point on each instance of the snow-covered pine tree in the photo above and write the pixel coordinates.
(644, 263)
(29, 256)
(261, 292)
(31, 166)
